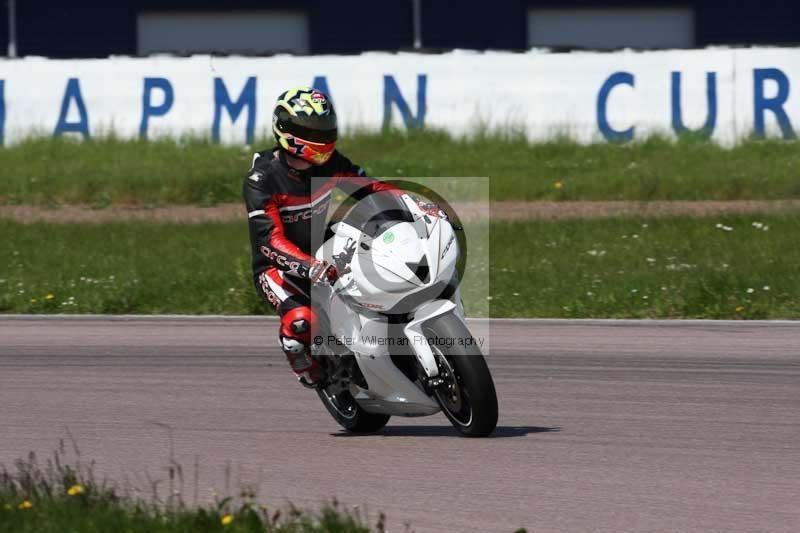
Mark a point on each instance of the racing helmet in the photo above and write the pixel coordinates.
(304, 124)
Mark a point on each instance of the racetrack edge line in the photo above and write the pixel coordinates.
(261, 318)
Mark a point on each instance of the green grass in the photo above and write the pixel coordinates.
(59, 498)
(581, 268)
(194, 171)
(56, 498)
(661, 268)
(126, 268)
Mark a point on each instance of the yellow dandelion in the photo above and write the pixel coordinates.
(74, 490)
(49, 296)
(33, 300)
(739, 309)
(558, 185)
(226, 520)
(25, 505)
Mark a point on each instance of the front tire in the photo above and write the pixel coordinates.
(468, 397)
(351, 416)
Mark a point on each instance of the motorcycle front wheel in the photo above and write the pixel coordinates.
(467, 397)
(346, 411)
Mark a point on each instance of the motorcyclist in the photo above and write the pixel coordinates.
(287, 211)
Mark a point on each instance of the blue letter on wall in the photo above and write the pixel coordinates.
(72, 92)
(391, 94)
(711, 99)
(775, 104)
(150, 110)
(246, 98)
(618, 78)
(320, 83)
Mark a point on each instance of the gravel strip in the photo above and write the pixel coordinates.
(506, 210)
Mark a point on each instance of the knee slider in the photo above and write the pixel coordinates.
(298, 324)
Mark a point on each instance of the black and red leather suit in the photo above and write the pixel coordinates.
(287, 210)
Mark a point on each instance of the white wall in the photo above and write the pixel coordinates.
(543, 93)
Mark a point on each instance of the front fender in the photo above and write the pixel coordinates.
(417, 338)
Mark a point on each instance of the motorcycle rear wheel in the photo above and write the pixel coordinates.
(351, 416)
(468, 397)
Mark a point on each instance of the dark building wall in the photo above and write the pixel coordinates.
(502, 24)
(346, 27)
(85, 28)
(3, 28)
(91, 28)
(351, 27)
(476, 24)
(763, 22)
(75, 29)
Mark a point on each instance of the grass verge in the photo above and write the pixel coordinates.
(727, 267)
(56, 498)
(719, 268)
(109, 171)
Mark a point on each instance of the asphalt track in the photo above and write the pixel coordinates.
(605, 426)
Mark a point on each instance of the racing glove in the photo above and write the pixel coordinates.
(322, 272)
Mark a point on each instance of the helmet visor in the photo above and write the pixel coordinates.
(313, 136)
(315, 129)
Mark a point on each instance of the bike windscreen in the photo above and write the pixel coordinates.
(377, 212)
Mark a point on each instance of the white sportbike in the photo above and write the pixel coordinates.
(394, 340)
